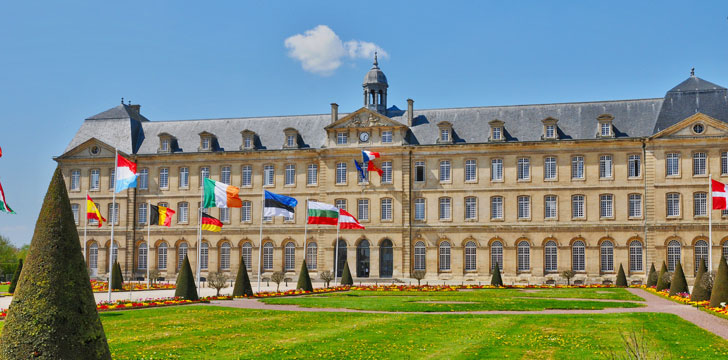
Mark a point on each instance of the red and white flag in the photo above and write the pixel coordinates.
(720, 195)
(348, 221)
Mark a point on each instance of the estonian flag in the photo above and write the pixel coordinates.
(209, 223)
(278, 205)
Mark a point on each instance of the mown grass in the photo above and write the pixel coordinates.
(4, 288)
(475, 300)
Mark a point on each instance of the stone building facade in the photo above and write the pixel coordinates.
(537, 188)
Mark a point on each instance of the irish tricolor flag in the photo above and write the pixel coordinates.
(3, 204)
(221, 195)
(322, 214)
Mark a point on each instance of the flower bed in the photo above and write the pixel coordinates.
(426, 288)
(103, 286)
(268, 294)
(684, 298)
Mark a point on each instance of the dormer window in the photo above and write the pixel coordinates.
(496, 130)
(291, 138)
(496, 133)
(605, 125)
(446, 133)
(167, 143)
(164, 145)
(550, 131)
(248, 140)
(550, 128)
(207, 141)
(342, 138)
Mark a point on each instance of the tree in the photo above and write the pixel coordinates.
(16, 276)
(621, 278)
(278, 278)
(678, 284)
(117, 281)
(346, 278)
(496, 279)
(720, 286)
(23, 251)
(217, 280)
(186, 288)
(8, 256)
(652, 277)
(153, 275)
(700, 290)
(662, 282)
(304, 279)
(326, 276)
(53, 313)
(418, 275)
(568, 274)
(242, 281)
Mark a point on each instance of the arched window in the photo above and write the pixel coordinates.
(290, 257)
(635, 256)
(420, 255)
(444, 256)
(225, 256)
(386, 259)
(204, 255)
(93, 256)
(181, 254)
(673, 254)
(725, 251)
(114, 252)
(142, 256)
(550, 256)
(312, 256)
(162, 257)
(607, 256)
(268, 256)
(524, 256)
(701, 253)
(496, 255)
(471, 261)
(248, 255)
(362, 259)
(578, 262)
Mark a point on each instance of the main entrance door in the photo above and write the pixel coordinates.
(386, 259)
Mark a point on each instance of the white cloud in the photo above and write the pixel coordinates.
(321, 51)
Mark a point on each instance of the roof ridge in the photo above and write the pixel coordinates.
(543, 104)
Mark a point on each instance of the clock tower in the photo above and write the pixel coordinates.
(375, 89)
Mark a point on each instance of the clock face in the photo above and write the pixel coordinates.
(364, 136)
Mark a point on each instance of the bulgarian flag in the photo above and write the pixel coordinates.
(720, 195)
(322, 214)
(4, 204)
(209, 223)
(92, 212)
(348, 221)
(221, 195)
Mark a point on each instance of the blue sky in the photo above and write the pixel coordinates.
(61, 62)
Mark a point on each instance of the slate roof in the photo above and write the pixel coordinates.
(689, 97)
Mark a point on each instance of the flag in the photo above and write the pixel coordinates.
(1, 152)
(92, 212)
(720, 195)
(4, 204)
(322, 214)
(369, 155)
(125, 174)
(209, 223)
(160, 215)
(348, 221)
(278, 205)
(361, 171)
(372, 167)
(218, 194)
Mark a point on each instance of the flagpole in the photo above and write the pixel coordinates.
(336, 248)
(199, 238)
(85, 225)
(260, 244)
(305, 232)
(710, 222)
(149, 226)
(113, 220)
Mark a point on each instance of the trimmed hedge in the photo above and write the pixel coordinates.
(652, 277)
(117, 281)
(242, 281)
(661, 284)
(304, 280)
(496, 279)
(700, 292)
(678, 283)
(621, 278)
(720, 285)
(186, 287)
(346, 278)
(16, 276)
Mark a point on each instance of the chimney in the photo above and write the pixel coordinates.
(334, 112)
(410, 114)
(135, 109)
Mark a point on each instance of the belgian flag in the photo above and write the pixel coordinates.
(209, 223)
(160, 215)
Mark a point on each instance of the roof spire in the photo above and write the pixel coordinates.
(376, 63)
(692, 72)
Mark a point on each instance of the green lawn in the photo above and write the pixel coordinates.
(4, 288)
(483, 299)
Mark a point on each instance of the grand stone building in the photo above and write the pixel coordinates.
(538, 188)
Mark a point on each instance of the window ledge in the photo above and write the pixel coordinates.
(700, 217)
(610, 218)
(269, 186)
(676, 176)
(289, 186)
(700, 176)
(578, 219)
(673, 218)
(524, 180)
(636, 218)
(471, 181)
(610, 178)
(471, 220)
(496, 180)
(634, 178)
(551, 180)
(497, 220)
(551, 219)
(445, 220)
(525, 219)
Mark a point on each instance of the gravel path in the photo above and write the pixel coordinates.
(714, 324)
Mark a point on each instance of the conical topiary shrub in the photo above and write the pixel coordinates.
(116, 279)
(186, 282)
(304, 280)
(496, 279)
(346, 278)
(661, 283)
(700, 292)
(720, 286)
(53, 313)
(652, 276)
(16, 276)
(621, 278)
(678, 283)
(242, 281)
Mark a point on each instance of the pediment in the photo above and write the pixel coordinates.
(90, 149)
(711, 127)
(364, 118)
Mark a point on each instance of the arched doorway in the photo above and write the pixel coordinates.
(386, 259)
(341, 258)
(362, 259)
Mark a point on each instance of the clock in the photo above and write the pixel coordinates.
(364, 136)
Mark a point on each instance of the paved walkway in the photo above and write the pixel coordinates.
(714, 324)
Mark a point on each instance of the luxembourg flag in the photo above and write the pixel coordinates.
(369, 155)
(126, 174)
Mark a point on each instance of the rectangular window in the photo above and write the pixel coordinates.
(342, 138)
(363, 209)
(444, 170)
(164, 178)
(225, 175)
(386, 209)
(142, 213)
(143, 179)
(635, 205)
(471, 208)
(184, 177)
(420, 209)
(246, 212)
(340, 203)
(577, 206)
(700, 204)
(549, 168)
(524, 207)
(524, 168)
(471, 170)
(164, 145)
(204, 174)
(550, 207)
(606, 206)
(341, 173)
(269, 174)
(605, 166)
(247, 176)
(673, 204)
(497, 133)
(496, 208)
(386, 172)
(419, 171)
(606, 129)
(496, 169)
(445, 135)
(724, 163)
(205, 143)
(112, 176)
(550, 131)
(387, 136)
(577, 167)
(635, 166)
(225, 215)
(699, 163)
(248, 143)
(95, 179)
(291, 140)
(672, 164)
(114, 213)
(290, 174)
(312, 174)
(75, 179)
(183, 213)
(74, 209)
(445, 208)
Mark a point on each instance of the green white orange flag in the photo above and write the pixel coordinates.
(220, 195)
(4, 204)
(322, 214)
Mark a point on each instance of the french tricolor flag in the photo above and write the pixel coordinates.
(126, 174)
(369, 155)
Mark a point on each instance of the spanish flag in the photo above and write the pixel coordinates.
(92, 212)
(209, 223)
(160, 215)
